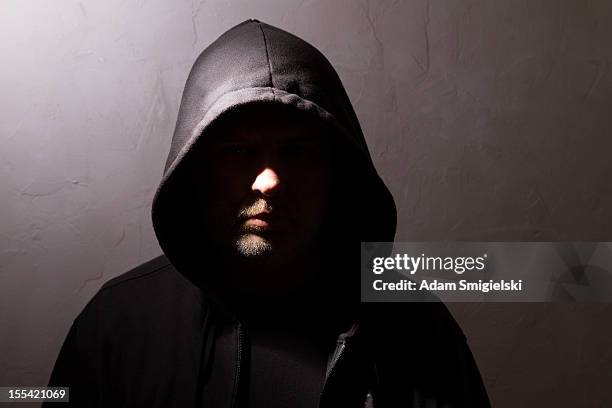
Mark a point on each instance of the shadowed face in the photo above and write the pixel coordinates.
(265, 187)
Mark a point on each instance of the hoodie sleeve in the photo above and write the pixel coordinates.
(424, 360)
(74, 369)
(452, 371)
(462, 379)
(474, 391)
(82, 361)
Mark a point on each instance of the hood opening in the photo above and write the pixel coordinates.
(361, 209)
(255, 63)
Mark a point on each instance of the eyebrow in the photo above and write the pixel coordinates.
(309, 139)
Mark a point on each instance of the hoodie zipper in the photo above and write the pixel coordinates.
(337, 356)
(340, 345)
(241, 345)
(338, 352)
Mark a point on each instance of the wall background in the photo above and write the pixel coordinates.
(489, 120)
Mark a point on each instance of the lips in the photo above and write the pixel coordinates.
(258, 222)
(266, 222)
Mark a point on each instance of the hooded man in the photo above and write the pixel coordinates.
(268, 191)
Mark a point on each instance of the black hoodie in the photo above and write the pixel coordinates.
(158, 336)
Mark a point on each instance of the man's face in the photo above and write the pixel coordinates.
(265, 185)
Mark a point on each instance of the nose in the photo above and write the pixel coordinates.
(266, 182)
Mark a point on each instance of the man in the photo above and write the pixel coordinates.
(268, 190)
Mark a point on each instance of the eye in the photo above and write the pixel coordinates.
(236, 149)
(294, 149)
(303, 150)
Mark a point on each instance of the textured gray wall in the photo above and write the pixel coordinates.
(489, 120)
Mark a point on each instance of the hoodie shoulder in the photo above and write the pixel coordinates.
(145, 294)
(153, 266)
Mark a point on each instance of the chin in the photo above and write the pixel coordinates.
(253, 246)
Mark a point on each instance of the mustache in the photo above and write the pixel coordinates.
(259, 206)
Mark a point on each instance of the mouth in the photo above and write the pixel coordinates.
(258, 222)
(266, 222)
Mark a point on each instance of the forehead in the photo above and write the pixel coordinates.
(268, 124)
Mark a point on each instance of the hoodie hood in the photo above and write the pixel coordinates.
(256, 63)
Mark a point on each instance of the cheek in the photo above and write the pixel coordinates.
(227, 185)
(221, 196)
(316, 191)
